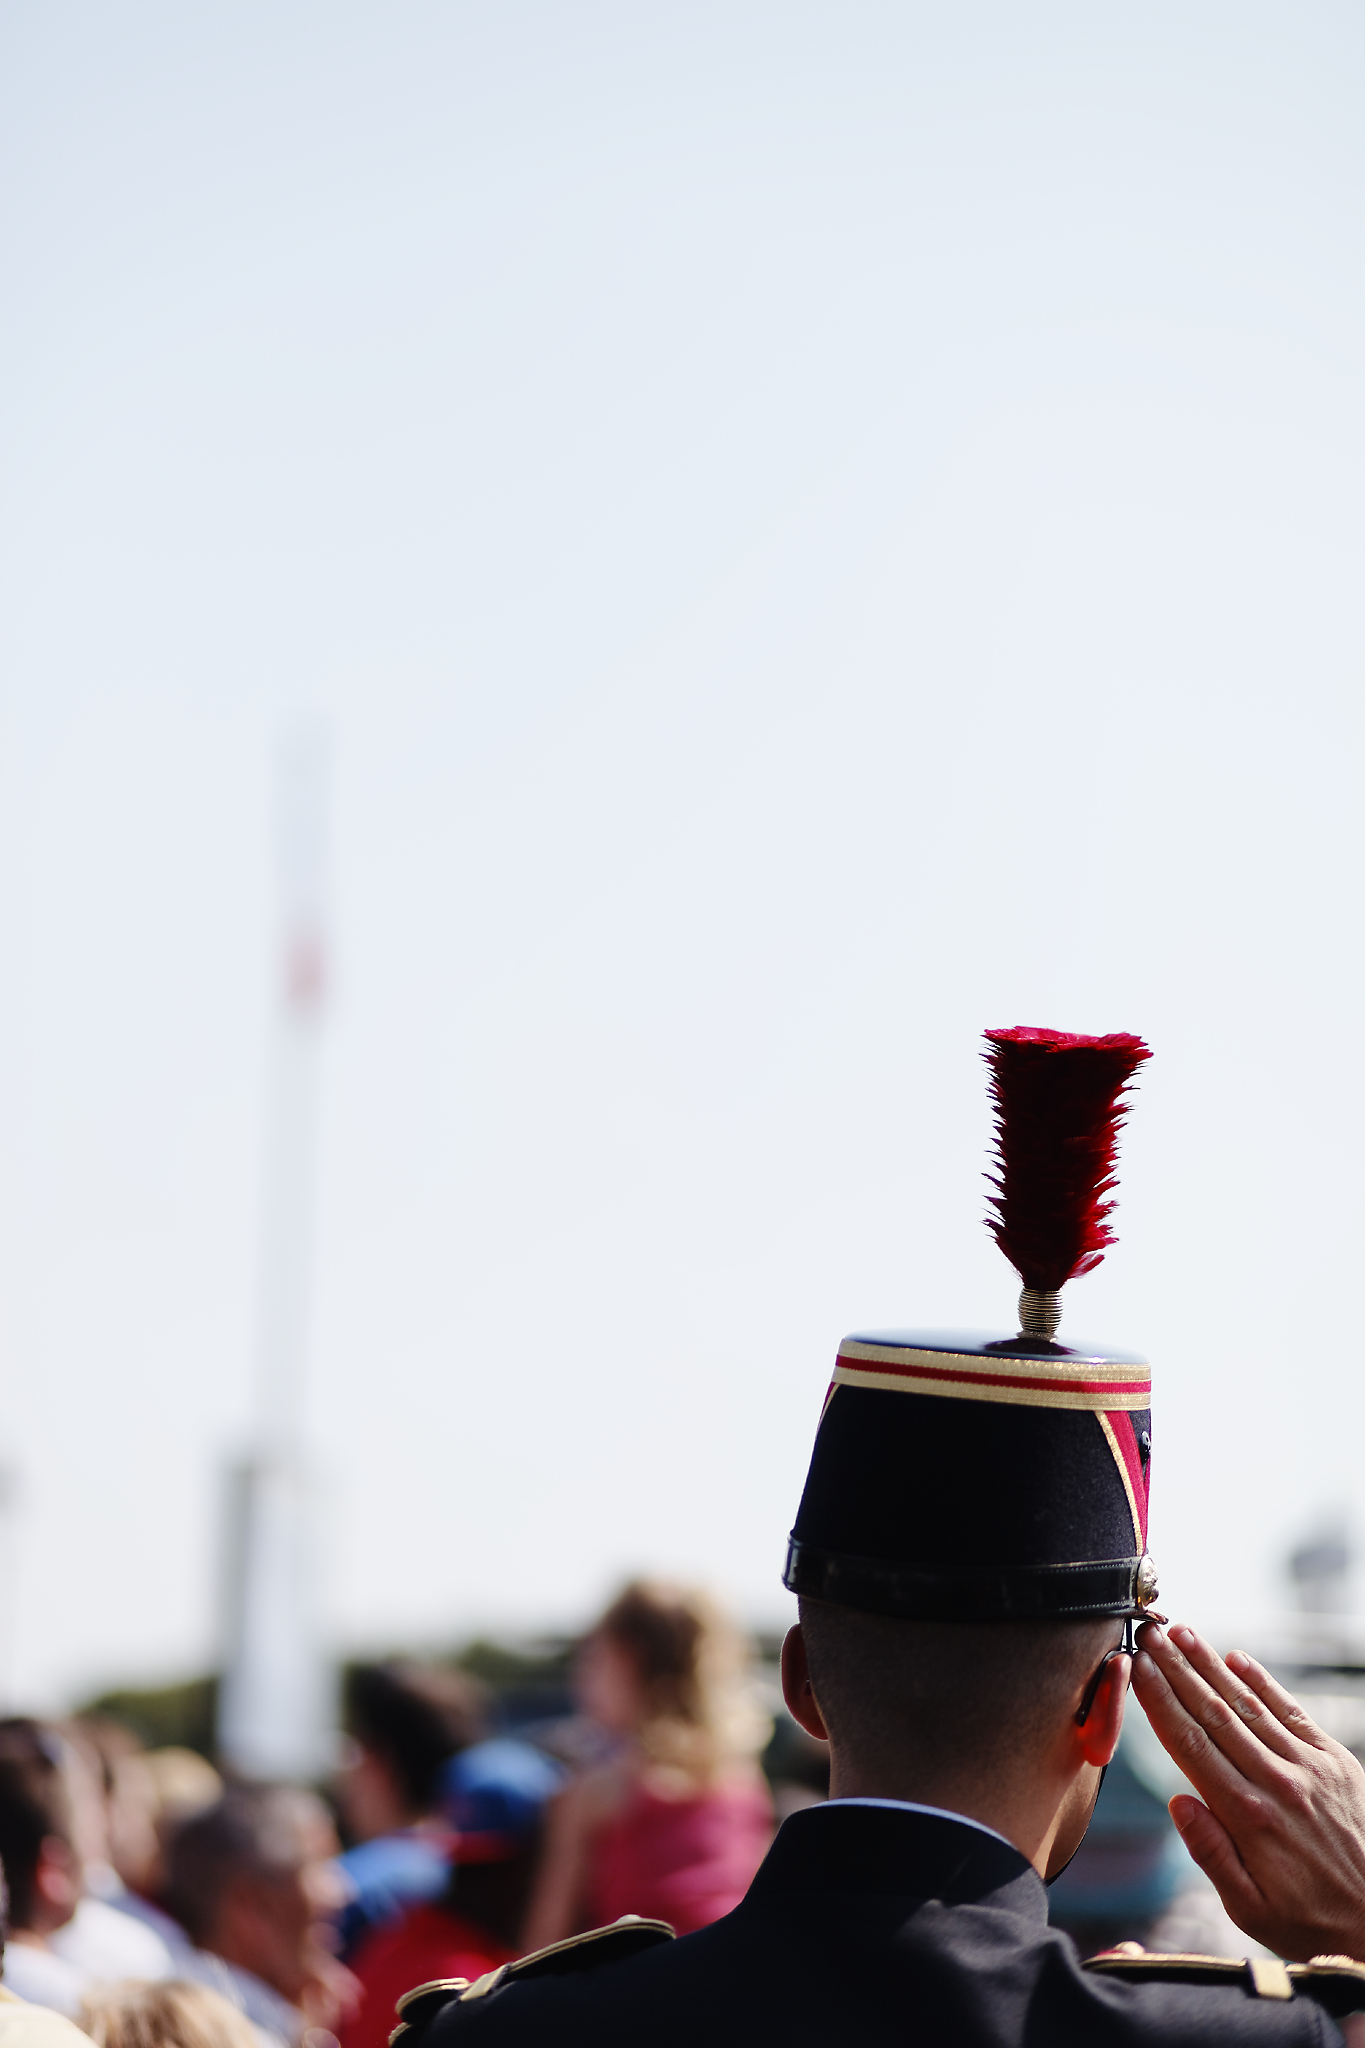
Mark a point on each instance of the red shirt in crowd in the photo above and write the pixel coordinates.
(426, 1943)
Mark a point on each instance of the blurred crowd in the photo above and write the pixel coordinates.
(151, 1903)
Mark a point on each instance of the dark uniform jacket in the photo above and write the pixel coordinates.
(869, 1925)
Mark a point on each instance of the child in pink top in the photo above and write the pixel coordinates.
(685, 1860)
(676, 1823)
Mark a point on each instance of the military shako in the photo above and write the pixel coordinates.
(964, 1476)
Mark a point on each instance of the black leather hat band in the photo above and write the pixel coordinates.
(912, 1592)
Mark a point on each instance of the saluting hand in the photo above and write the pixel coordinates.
(1281, 1827)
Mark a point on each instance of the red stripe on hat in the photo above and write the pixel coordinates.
(1125, 1436)
(997, 1379)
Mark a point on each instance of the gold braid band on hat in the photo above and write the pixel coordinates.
(1071, 1381)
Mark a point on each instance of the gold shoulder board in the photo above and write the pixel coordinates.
(1336, 1982)
(580, 1953)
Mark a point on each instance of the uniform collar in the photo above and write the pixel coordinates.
(902, 1851)
(913, 1806)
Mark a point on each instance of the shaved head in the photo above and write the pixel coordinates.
(950, 1700)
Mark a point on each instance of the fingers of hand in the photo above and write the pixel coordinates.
(1186, 1739)
(1214, 1850)
(1250, 1707)
(1277, 1701)
(1257, 1751)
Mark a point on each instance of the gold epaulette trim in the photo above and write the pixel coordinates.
(440, 1989)
(1264, 1976)
(421, 1990)
(626, 1936)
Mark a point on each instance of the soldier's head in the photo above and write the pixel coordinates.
(972, 1534)
(964, 1561)
(962, 1715)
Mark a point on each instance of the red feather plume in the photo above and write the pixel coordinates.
(1058, 1110)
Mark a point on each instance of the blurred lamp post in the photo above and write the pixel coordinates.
(275, 1710)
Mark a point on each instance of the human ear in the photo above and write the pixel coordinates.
(1097, 1737)
(56, 1877)
(796, 1685)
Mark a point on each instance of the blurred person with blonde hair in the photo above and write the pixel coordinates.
(675, 1821)
(173, 2014)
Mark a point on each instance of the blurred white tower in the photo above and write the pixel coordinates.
(275, 1708)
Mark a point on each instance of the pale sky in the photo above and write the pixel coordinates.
(813, 529)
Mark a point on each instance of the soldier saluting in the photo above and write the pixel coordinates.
(970, 1557)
